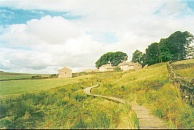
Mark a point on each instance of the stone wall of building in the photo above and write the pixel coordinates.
(65, 73)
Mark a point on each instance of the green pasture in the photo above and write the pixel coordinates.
(185, 72)
(188, 72)
(190, 61)
(15, 87)
(9, 75)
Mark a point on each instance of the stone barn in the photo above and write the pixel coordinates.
(65, 73)
(106, 67)
(129, 66)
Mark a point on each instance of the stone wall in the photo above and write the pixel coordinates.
(185, 85)
(182, 66)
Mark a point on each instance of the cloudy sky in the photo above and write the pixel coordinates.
(41, 36)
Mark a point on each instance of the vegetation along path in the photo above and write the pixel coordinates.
(146, 119)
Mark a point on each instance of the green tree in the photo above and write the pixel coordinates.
(190, 52)
(143, 59)
(175, 46)
(137, 57)
(114, 58)
(164, 52)
(152, 54)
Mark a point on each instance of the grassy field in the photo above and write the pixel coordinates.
(63, 107)
(190, 61)
(188, 72)
(9, 75)
(15, 87)
(61, 103)
(185, 72)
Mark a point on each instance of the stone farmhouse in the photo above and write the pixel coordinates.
(65, 73)
(129, 66)
(124, 66)
(106, 67)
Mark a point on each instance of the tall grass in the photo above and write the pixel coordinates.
(63, 107)
(152, 88)
(128, 118)
(170, 107)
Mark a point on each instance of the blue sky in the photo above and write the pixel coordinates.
(17, 16)
(11, 16)
(39, 36)
(20, 16)
(190, 3)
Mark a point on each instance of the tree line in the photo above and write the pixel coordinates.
(113, 58)
(174, 48)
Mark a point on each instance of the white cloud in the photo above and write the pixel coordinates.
(50, 30)
(55, 42)
(51, 41)
(53, 30)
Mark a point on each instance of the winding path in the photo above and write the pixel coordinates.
(146, 119)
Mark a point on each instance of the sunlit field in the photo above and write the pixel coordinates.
(22, 86)
(61, 103)
(64, 107)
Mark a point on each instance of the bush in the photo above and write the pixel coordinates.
(54, 76)
(36, 77)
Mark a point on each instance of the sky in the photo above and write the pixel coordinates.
(42, 36)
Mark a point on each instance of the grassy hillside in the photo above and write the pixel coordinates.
(150, 87)
(185, 68)
(61, 103)
(190, 61)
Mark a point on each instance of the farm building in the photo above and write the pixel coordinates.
(129, 65)
(106, 67)
(65, 73)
